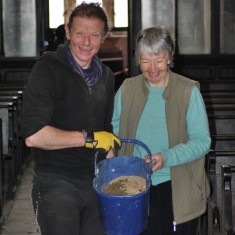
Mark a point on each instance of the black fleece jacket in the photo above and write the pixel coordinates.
(56, 95)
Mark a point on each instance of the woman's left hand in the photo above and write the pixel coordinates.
(157, 161)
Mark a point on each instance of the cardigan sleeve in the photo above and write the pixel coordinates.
(199, 141)
(117, 112)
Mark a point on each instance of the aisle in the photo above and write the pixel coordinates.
(19, 220)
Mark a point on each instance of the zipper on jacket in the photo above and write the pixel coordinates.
(89, 89)
(90, 114)
(174, 226)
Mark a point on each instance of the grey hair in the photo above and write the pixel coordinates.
(153, 40)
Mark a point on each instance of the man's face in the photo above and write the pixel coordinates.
(86, 36)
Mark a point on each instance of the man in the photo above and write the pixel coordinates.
(66, 119)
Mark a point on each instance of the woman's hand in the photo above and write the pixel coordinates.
(157, 161)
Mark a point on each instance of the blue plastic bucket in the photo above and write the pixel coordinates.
(123, 215)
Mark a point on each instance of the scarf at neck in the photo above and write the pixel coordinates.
(90, 75)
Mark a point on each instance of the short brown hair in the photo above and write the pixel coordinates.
(90, 10)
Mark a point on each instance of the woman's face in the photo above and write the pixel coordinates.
(85, 38)
(155, 68)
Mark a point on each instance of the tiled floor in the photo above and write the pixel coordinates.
(18, 213)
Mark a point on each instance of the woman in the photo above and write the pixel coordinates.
(166, 111)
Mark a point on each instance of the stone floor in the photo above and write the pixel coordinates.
(18, 213)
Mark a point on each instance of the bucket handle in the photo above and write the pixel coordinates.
(140, 143)
(133, 141)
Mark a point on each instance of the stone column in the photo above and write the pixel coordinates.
(1, 30)
(19, 28)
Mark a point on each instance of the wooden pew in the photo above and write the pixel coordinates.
(12, 98)
(113, 58)
(19, 148)
(221, 116)
(224, 84)
(11, 95)
(221, 123)
(228, 198)
(17, 95)
(223, 142)
(219, 97)
(16, 75)
(220, 108)
(12, 88)
(218, 93)
(8, 116)
(15, 155)
(217, 208)
(10, 91)
(1, 172)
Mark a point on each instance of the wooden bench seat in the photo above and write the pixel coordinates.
(13, 88)
(10, 154)
(1, 170)
(220, 108)
(222, 189)
(15, 75)
(223, 142)
(217, 84)
(221, 124)
(228, 198)
(15, 154)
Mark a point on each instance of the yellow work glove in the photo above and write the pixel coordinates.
(102, 140)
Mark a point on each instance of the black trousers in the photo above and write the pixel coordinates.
(160, 221)
(65, 207)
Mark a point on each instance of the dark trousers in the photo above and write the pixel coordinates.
(160, 221)
(65, 208)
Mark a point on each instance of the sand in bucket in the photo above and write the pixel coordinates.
(125, 185)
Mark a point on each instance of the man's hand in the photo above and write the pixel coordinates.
(102, 140)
